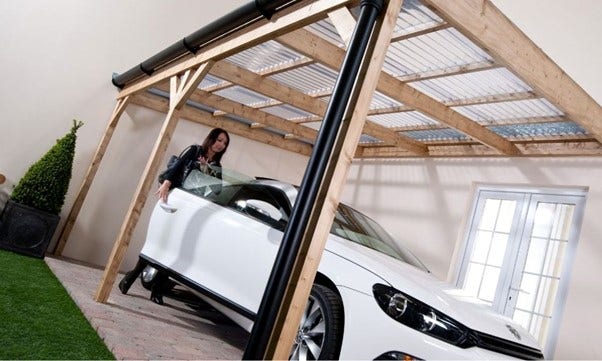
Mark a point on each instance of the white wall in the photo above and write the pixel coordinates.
(56, 62)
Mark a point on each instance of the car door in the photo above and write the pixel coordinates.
(227, 242)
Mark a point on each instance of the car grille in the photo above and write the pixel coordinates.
(506, 347)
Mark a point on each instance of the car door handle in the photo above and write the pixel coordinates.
(167, 208)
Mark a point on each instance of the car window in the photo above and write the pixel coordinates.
(262, 203)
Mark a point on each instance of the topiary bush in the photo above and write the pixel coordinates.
(45, 184)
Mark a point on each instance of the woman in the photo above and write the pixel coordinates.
(208, 154)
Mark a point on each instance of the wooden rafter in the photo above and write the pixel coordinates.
(161, 104)
(276, 90)
(430, 29)
(488, 27)
(454, 70)
(560, 149)
(497, 98)
(227, 106)
(311, 45)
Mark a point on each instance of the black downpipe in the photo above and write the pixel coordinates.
(312, 179)
(244, 15)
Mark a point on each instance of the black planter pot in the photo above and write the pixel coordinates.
(26, 230)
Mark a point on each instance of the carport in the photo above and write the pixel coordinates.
(458, 80)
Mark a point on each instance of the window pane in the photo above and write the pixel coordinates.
(535, 326)
(563, 222)
(522, 318)
(481, 247)
(544, 303)
(506, 214)
(544, 219)
(498, 249)
(536, 254)
(489, 284)
(472, 281)
(553, 263)
(490, 212)
(528, 290)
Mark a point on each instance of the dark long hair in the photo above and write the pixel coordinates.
(211, 139)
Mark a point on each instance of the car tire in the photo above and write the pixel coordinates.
(148, 277)
(320, 332)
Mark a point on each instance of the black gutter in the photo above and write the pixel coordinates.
(244, 15)
(340, 106)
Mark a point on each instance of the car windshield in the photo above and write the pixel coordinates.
(356, 227)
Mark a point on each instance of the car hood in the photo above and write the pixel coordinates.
(423, 286)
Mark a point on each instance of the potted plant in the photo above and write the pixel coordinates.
(31, 215)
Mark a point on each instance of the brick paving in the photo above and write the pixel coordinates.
(135, 328)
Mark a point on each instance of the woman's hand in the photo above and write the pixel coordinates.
(163, 190)
(203, 161)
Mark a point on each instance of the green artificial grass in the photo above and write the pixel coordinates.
(38, 319)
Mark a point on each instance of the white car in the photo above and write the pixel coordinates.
(370, 298)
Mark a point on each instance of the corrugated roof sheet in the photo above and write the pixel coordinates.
(489, 82)
(430, 56)
(403, 119)
(489, 113)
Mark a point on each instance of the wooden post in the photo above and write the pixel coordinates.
(85, 187)
(315, 237)
(181, 88)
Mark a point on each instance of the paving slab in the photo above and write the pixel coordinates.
(135, 328)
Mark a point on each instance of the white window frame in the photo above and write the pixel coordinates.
(462, 245)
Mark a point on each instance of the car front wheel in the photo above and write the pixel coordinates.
(321, 329)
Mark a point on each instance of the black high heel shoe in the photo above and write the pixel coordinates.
(126, 282)
(156, 297)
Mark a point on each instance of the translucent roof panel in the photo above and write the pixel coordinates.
(437, 135)
(286, 111)
(403, 119)
(538, 129)
(490, 113)
(312, 125)
(379, 101)
(313, 78)
(365, 138)
(472, 85)
(433, 51)
(415, 16)
(264, 56)
(326, 30)
(210, 81)
(242, 95)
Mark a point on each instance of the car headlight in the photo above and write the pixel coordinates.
(421, 317)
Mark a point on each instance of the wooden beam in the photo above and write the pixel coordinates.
(268, 87)
(282, 22)
(430, 29)
(528, 149)
(313, 46)
(454, 70)
(180, 90)
(192, 114)
(276, 90)
(227, 106)
(344, 22)
(484, 24)
(497, 98)
(90, 174)
(320, 222)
